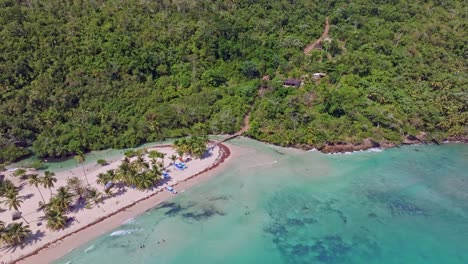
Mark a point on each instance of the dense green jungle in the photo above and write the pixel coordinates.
(87, 75)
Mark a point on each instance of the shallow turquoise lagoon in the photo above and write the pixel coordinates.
(277, 205)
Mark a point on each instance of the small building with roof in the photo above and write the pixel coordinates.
(292, 83)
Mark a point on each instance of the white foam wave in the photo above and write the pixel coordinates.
(123, 232)
(88, 249)
(375, 150)
(129, 221)
(358, 151)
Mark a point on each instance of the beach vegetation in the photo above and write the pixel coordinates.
(49, 180)
(130, 153)
(102, 162)
(108, 191)
(14, 234)
(36, 181)
(173, 158)
(77, 187)
(6, 186)
(81, 158)
(12, 199)
(20, 173)
(62, 199)
(38, 165)
(193, 146)
(137, 173)
(94, 196)
(56, 219)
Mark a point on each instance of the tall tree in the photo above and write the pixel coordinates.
(56, 219)
(63, 198)
(173, 158)
(94, 195)
(81, 158)
(35, 180)
(76, 185)
(13, 201)
(49, 180)
(15, 234)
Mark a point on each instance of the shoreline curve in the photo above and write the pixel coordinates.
(225, 153)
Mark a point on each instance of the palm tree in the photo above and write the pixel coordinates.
(181, 146)
(112, 175)
(180, 152)
(102, 179)
(108, 192)
(77, 186)
(144, 181)
(155, 173)
(154, 161)
(140, 164)
(34, 180)
(161, 156)
(94, 195)
(6, 186)
(2, 230)
(80, 158)
(56, 220)
(52, 205)
(49, 180)
(12, 200)
(63, 198)
(15, 233)
(130, 178)
(173, 158)
(123, 169)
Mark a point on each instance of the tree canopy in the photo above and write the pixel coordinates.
(87, 75)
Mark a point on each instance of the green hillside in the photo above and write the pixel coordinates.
(86, 75)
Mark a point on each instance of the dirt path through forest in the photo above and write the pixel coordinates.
(318, 43)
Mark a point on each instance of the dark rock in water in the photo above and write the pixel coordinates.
(349, 147)
(277, 230)
(310, 220)
(295, 222)
(221, 197)
(330, 249)
(203, 214)
(397, 206)
(173, 208)
(401, 207)
(372, 215)
(301, 250)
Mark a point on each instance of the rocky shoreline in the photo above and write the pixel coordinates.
(341, 147)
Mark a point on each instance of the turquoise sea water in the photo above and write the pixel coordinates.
(277, 205)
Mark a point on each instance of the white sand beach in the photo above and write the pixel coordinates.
(112, 212)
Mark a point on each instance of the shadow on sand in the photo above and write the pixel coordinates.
(32, 239)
